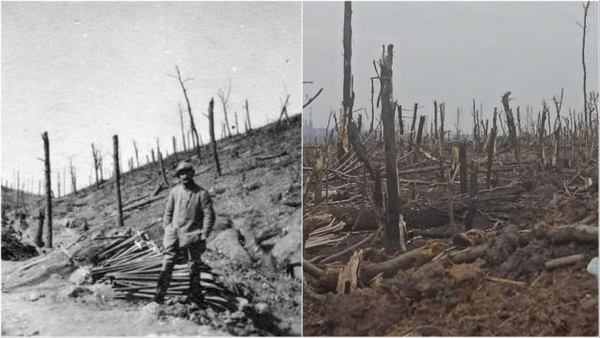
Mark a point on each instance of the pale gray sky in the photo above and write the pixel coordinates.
(84, 71)
(452, 52)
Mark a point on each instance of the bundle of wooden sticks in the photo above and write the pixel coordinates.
(132, 264)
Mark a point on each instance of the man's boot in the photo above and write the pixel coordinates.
(164, 279)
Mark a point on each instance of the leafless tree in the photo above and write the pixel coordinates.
(224, 97)
(189, 108)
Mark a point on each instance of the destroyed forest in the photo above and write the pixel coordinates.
(414, 227)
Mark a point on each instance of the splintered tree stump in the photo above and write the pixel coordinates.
(348, 276)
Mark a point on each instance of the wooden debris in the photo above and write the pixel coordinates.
(349, 274)
(563, 261)
(505, 281)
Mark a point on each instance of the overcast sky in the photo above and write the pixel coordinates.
(452, 52)
(85, 71)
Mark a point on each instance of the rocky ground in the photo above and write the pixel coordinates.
(255, 248)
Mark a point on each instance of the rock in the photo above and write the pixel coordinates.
(216, 191)
(251, 187)
(151, 308)
(227, 243)
(261, 308)
(287, 249)
(80, 276)
(73, 291)
(35, 296)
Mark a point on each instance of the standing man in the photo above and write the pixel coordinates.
(188, 220)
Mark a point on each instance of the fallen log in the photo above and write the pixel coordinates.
(563, 261)
(328, 277)
(468, 255)
(142, 203)
(581, 233)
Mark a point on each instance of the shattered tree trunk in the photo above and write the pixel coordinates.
(347, 83)
(163, 174)
(419, 137)
(39, 241)
(117, 180)
(182, 128)
(490, 150)
(73, 177)
(189, 108)
(512, 129)
(392, 211)
(247, 115)
(48, 190)
(175, 149)
(137, 159)
(211, 129)
(462, 158)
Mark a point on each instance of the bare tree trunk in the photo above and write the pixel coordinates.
(189, 107)
(182, 129)
(392, 212)
(237, 126)
(19, 189)
(247, 115)
(542, 125)
(347, 42)
(512, 129)
(73, 177)
(490, 150)
(100, 165)
(175, 149)
(211, 129)
(373, 108)
(95, 157)
(435, 119)
(39, 241)
(442, 119)
(419, 136)
(163, 174)
(135, 148)
(473, 196)
(48, 190)
(224, 99)
(558, 129)
(586, 6)
(462, 157)
(117, 180)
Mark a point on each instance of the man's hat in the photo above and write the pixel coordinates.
(184, 166)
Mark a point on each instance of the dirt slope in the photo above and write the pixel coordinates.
(255, 246)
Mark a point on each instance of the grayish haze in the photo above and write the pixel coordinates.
(452, 52)
(85, 71)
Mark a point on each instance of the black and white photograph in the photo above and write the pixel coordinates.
(151, 168)
(450, 168)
